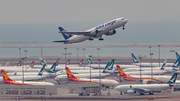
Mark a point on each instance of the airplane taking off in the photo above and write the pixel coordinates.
(7, 80)
(107, 29)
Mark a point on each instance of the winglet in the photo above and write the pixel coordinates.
(68, 62)
(5, 76)
(69, 73)
(19, 64)
(32, 64)
(81, 62)
(135, 60)
(173, 79)
(42, 62)
(164, 65)
(57, 62)
(121, 72)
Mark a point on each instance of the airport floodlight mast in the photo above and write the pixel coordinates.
(151, 68)
(22, 59)
(19, 52)
(99, 72)
(159, 54)
(90, 67)
(84, 57)
(65, 56)
(140, 69)
(77, 55)
(25, 59)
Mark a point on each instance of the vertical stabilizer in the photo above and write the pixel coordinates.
(135, 60)
(66, 36)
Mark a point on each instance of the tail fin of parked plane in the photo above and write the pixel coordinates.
(42, 69)
(69, 73)
(90, 61)
(164, 65)
(7, 64)
(109, 68)
(68, 62)
(57, 62)
(66, 36)
(19, 64)
(121, 72)
(176, 63)
(104, 71)
(172, 79)
(42, 62)
(81, 62)
(177, 55)
(5, 76)
(32, 64)
(135, 60)
(52, 69)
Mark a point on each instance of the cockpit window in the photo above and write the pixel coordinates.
(123, 18)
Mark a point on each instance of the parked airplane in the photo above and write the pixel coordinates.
(48, 74)
(137, 62)
(8, 80)
(160, 78)
(108, 71)
(146, 88)
(63, 72)
(107, 29)
(105, 82)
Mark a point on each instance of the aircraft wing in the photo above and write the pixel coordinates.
(77, 33)
(61, 41)
(142, 90)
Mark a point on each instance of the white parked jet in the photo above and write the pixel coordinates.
(107, 28)
(146, 88)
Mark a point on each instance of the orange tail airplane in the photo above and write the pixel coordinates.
(8, 80)
(123, 75)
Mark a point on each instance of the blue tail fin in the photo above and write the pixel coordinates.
(164, 65)
(135, 60)
(42, 69)
(177, 55)
(104, 71)
(66, 36)
(176, 63)
(90, 61)
(109, 68)
(42, 62)
(52, 69)
(173, 79)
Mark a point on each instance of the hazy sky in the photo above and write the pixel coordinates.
(37, 20)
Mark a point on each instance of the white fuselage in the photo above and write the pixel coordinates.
(103, 28)
(63, 72)
(148, 87)
(87, 75)
(37, 83)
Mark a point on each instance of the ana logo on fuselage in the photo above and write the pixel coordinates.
(106, 24)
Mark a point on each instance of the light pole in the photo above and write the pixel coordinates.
(41, 52)
(140, 69)
(99, 72)
(77, 55)
(159, 54)
(19, 52)
(25, 59)
(22, 59)
(90, 67)
(84, 57)
(65, 56)
(151, 68)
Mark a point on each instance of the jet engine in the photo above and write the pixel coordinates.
(130, 92)
(94, 33)
(112, 32)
